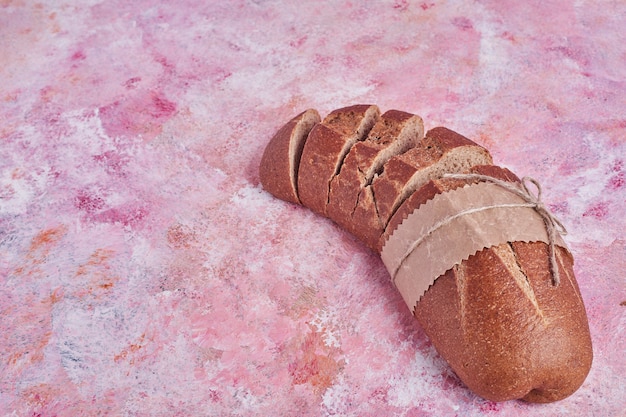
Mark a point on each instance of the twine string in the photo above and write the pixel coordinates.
(531, 200)
(553, 225)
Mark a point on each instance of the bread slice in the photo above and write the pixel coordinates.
(496, 318)
(281, 158)
(326, 148)
(394, 133)
(441, 151)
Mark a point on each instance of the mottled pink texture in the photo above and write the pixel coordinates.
(145, 272)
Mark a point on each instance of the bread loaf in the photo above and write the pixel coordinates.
(496, 317)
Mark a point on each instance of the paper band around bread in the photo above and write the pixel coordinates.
(452, 227)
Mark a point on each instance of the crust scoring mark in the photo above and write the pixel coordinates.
(561, 265)
(509, 258)
(461, 286)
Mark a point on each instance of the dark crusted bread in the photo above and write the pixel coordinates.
(394, 133)
(501, 324)
(496, 318)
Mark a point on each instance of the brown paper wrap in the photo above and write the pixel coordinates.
(451, 227)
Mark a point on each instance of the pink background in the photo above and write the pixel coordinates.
(144, 270)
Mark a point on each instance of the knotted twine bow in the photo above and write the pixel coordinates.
(553, 225)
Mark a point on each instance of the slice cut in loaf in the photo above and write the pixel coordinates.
(441, 151)
(281, 158)
(325, 150)
(394, 133)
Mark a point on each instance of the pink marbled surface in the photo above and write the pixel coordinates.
(145, 272)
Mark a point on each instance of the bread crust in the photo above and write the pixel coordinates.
(281, 158)
(325, 150)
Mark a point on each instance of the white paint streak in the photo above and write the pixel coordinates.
(326, 324)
